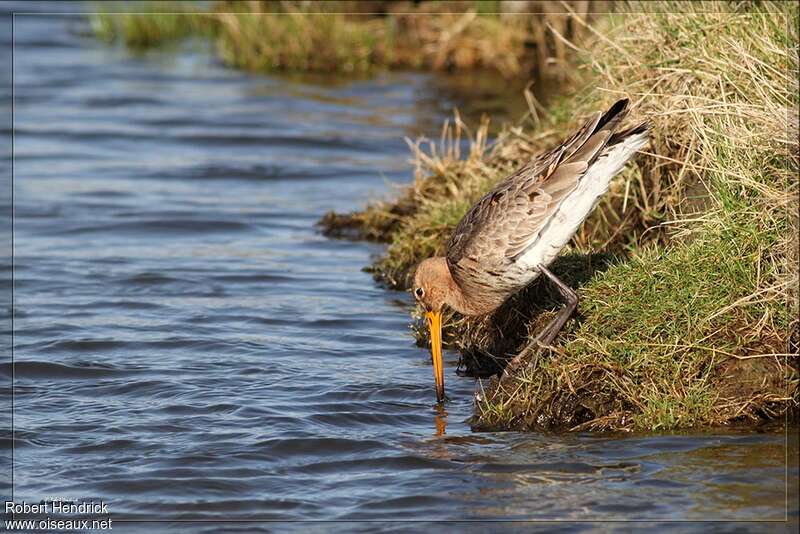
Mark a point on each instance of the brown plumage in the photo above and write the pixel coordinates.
(506, 238)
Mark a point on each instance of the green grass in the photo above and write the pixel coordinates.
(334, 37)
(652, 337)
(303, 41)
(153, 24)
(690, 319)
(692, 329)
(687, 270)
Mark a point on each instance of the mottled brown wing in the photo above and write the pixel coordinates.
(502, 224)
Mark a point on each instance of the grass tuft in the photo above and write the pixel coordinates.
(359, 37)
(688, 316)
(141, 30)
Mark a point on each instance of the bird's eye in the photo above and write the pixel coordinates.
(419, 292)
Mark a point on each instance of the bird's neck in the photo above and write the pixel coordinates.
(472, 306)
(457, 300)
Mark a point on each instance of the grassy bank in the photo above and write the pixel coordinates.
(357, 37)
(687, 271)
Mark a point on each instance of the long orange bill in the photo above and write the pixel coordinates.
(435, 326)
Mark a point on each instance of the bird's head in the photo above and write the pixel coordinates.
(432, 286)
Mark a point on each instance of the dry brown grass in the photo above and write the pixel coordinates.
(690, 321)
(359, 37)
(687, 271)
(692, 329)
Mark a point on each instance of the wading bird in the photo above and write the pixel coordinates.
(510, 236)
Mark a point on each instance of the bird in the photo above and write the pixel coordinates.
(513, 233)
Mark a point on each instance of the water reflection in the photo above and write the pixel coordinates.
(440, 419)
(188, 346)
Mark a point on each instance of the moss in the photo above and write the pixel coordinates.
(687, 318)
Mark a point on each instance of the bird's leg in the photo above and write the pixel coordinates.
(549, 333)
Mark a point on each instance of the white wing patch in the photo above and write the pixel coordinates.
(579, 203)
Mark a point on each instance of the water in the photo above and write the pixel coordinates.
(188, 346)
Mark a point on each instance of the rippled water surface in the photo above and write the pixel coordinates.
(189, 346)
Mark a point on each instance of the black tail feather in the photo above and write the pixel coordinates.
(640, 128)
(613, 116)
